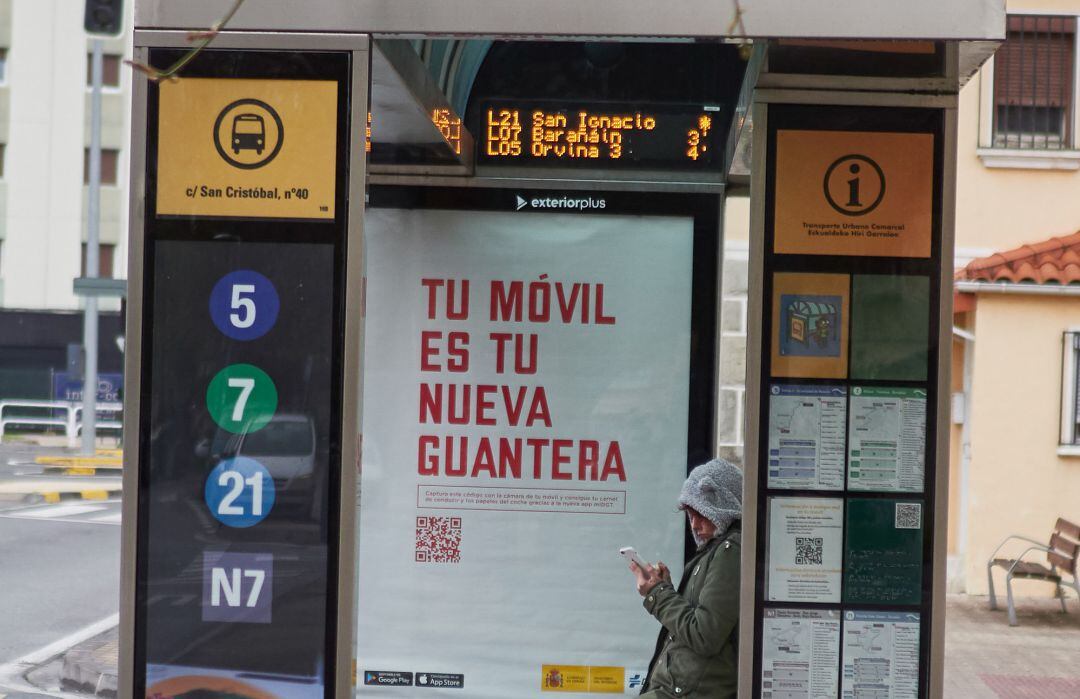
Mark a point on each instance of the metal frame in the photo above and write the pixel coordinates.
(498, 178)
(756, 315)
(133, 334)
(868, 19)
(359, 45)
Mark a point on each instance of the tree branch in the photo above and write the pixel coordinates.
(202, 39)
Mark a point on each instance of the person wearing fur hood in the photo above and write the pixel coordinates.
(697, 649)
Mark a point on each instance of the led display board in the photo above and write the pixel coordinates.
(601, 135)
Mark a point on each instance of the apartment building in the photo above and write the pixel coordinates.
(44, 149)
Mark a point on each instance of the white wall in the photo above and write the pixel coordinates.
(44, 165)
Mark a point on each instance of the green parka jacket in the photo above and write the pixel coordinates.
(696, 653)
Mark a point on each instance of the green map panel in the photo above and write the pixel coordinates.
(890, 326)
(884, 541)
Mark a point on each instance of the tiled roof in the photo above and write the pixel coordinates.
(1053, 261)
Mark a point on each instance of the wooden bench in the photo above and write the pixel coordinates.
(1060, 561)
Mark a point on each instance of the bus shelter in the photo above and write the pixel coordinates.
(423, 327)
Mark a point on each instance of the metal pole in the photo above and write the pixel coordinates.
(93, 216)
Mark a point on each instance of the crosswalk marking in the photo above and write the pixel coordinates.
(52, 511)
(101, 512)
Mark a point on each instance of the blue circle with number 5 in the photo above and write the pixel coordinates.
(244, 304)
(239, 492)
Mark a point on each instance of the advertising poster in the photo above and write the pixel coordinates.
(854, 193)
(800, 653)
(807, 425)
(884, 552)
(887, 439)
(881, 655)
(525, 416)
(810, 325)
(804, 549)
(249, 148)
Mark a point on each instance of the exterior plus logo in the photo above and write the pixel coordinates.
(854, 185)
(575, 203)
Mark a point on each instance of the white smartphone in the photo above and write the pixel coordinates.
(630, 554)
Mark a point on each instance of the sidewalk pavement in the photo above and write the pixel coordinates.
(987, 658)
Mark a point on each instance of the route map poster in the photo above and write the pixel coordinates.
(881, 655)
(887, 439)
(806, 437)
(525, 416)
(800, 654)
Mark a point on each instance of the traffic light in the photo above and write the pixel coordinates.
(104, 16)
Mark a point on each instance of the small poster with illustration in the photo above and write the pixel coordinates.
(810, 325)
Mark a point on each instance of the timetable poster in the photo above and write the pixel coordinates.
(525, 416)
(881, 655)
(804, 554)
(887, 439)
(800, 653)
(807, 427)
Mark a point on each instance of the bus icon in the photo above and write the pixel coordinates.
(248, 133)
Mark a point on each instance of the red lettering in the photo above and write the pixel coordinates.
(430, 403)
(558, 458)
(427, 465)
(459, 409)
(506, 304)
(459, 353)
(448, 453)
(538, 453)
(484, 403)
(539, 409)
(613, 463)
(566, 306)
(432, 285)
(588, 460)
(509, 459)
(485, 461)
(513, 408)
(602, 319)
(427, 351)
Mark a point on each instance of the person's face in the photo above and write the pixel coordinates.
(703, 528)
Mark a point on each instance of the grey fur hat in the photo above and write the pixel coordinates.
(714, 489)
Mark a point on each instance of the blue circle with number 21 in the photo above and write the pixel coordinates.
(244, 304)
(239, 492)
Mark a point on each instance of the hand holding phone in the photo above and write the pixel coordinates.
(630, 554)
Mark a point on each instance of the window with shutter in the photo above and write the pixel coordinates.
(1033, 83)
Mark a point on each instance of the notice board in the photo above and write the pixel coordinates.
(851, 287)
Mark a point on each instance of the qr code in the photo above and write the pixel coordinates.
(808, 550)
(438, 539)
(908, 515)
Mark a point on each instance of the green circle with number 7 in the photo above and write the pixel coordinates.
(241, 398)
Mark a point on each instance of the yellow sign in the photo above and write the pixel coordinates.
(854, 193)
(581, 678)
(247, 148)
(810, 325)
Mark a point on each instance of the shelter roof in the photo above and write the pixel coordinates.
(1053, 261)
